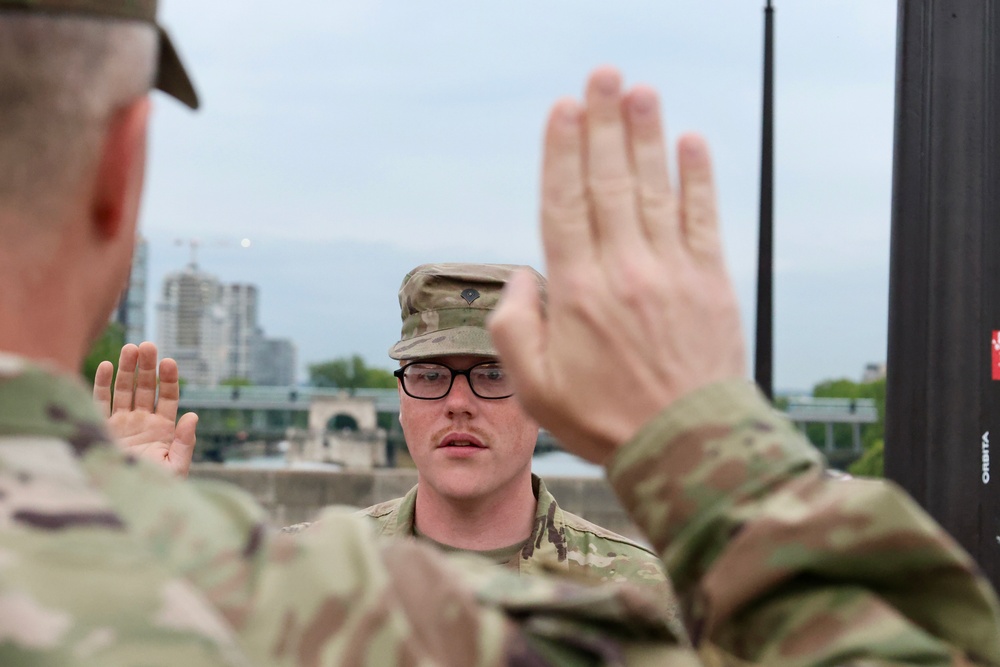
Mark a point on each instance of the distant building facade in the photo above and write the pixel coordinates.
(211, 329)
(131, 311)
(239, 301)
(191, 325)
(873, 372)
(275, 364)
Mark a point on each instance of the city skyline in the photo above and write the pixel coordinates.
(211, 329)
(234, 265)
(353, 141)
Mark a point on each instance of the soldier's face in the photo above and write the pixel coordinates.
(466, 447)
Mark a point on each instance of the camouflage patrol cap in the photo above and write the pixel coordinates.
(444, 308)
(171, 76)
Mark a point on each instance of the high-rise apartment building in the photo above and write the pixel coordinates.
(210, 328)
(239, 301)
(192, 325)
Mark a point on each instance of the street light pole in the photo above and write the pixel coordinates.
(763, 358)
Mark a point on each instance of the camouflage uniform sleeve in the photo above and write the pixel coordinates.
(337, 594)
(777, 563)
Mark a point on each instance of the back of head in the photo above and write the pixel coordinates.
(66, 66)
(444, 308)
(62, 76)
(74, 82)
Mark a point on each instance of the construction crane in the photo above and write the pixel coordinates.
(193, 244)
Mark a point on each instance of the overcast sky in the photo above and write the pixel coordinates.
(353, 140)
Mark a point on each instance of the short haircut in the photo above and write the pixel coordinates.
(61, 79)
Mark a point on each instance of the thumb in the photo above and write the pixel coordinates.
(518, 329)
(182, 449)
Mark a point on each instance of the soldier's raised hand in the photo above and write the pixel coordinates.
(144, 423)
(640, 310)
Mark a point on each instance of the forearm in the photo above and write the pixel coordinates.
(756, 536)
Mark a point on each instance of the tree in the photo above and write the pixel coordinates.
(872, 435)
(106, 348)
(871, 463)
(350, 373)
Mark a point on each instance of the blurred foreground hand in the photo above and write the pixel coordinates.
(640, 310)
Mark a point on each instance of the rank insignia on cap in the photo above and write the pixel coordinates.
(444, 308)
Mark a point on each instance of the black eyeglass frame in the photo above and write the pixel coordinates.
(400, 374)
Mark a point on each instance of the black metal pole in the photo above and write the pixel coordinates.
(763, 358)
(943, 393)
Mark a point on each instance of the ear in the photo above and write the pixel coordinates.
(121, 168)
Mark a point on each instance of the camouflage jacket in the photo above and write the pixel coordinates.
(558, 540)
(107, 561)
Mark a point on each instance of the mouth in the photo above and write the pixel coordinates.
(461, 441)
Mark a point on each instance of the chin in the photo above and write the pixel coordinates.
(462, 489)
(463, 492)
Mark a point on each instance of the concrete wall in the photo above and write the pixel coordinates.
(292, 496)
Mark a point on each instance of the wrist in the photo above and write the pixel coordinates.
(708, 447)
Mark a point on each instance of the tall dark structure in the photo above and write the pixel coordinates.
(943, 394)
(763, 357)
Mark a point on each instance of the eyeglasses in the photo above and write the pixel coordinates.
(432, 381)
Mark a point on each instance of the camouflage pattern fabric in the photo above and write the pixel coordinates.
(559, 540)
(444, 308)
(76, 587)
(774, 563)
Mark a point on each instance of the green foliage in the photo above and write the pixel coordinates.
(350, 373)
(388, 421)
(872, 435)
(871, 463)
(106, 348)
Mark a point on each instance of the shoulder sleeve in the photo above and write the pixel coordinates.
(380, 510)
(608, 553)
(336, 594)
(774, 561)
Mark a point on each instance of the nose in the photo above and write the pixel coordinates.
(460, 399)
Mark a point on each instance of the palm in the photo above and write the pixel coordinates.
(147, 435)
(142, 422)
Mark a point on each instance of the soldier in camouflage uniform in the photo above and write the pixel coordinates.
(108, 560)
(475, 491)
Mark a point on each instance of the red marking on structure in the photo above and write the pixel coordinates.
(995, 349)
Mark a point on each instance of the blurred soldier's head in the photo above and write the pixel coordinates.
(468, 435)
(74, 82)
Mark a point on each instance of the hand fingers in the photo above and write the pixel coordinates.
(518, 332)
(125, 380)
(145, 385)
(610, 182)
(700, 218)
(170, 391)
(565, 220)
(102, 388)
(182, 451)
(656, 198)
